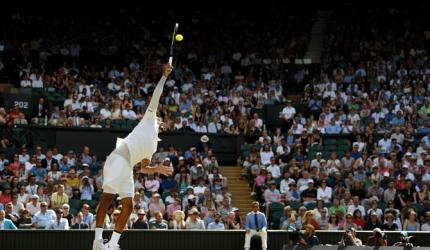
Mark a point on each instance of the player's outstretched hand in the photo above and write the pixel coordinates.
(167, 70)
(165, 170)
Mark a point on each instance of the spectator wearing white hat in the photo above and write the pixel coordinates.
(34, 205)
(193, 220)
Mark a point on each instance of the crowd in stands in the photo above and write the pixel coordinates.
(45, 189)
(355, 155)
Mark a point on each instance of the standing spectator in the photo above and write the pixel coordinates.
(256, 224)
(5, 223)
(59, 223)
(86, 189)
(288, 114)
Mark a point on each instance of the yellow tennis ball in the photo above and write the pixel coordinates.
(179, 37)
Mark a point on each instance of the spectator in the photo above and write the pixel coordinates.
(310, 238)
(389, 223)
(66, 213)
(59, 198)
(24, 221)
(411, 223)
(217, 224)
(372, 222)
(158, 223)
(377, 238)
(256, 224)
(350, 239)
(42, 218)
(193, 221)
(88, 217)
(59, 223)
(177, 221)
(141, 222)
(5, 223)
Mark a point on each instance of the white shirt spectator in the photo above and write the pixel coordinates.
(376, 116)
(33, 209)
(384, 144)
(274, 170)
(214, 127)
(25, 83)
(284, 185)
(199, 190)
(201, 129)
(16, 208)
(352, 208)
(43, 219)
(288, 112)
(37, 83)
(129, 114)
(266, 156)
(62, 224)
(105, 113)
(324, 194)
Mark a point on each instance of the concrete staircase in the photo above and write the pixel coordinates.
(238, 188)
(315, 47)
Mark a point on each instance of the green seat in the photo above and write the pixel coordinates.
(97, 195)
(40, 183)
(330, 147)
(116, 123)
(73, 211)
(295, 205)
(75, 203)
(311, 206)
(164, 195)
(329, 141)
(275, 218)
(132, 123)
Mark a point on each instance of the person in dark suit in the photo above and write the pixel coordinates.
(49, 160)
(79, 222)
(41, 109)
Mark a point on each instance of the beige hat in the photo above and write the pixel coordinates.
(204, 139)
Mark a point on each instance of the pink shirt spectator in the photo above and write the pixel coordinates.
(172, 208)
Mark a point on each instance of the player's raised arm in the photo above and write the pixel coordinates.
(161, 169)
(155, 99)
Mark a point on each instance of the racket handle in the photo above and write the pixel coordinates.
(170, 60)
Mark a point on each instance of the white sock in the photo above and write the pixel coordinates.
(114, 239)
(99, 233)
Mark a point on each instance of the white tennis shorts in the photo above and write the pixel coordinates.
(118, 176)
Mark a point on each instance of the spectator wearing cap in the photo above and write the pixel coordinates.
(372, 222)
(193, 220)
(86, 189)
(42, 218)
(256, 224)
(271, 195)
(87, 215)
(59, 223)
(389, 224)
(6, 223)
(34, 205)
(141, 222)
(59, 198)
(377, 238)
